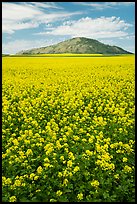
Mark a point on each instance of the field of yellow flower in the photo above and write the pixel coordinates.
(68, 129)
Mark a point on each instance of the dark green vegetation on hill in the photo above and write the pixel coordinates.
(5, 55)
(79, 45)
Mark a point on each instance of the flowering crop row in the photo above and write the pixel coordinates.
(68, 129)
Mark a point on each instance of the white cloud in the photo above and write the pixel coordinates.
(131, 36)
(104, 5)
(103, 27)
(15, 46)
(12, 11)
(46, 5)
(29, 15)
(10, 26)
(16, 17)
(52, 17)
(98, 6)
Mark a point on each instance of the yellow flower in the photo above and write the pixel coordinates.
(17, 183)
(27, 141)
(12, 199)
(50, 145)
(95, 183)
(3, 180)
(46, 165)
(66, 149)
(59, 174)
(111, 166)
(32, 175)
(38, 190)
(81, 130)
(88, 152)
(80, 196)
(69, 163)
(120, 130)
(29, 151)
(59, 193)
(84, 140)
(91, 139)
(61, 157)
(8, 181)
(36, 178)
(65, 113)
(131, 141)
(76, 138)
(76, 169)
(124, 159)
(70, 174)
(71, 156)
(46, 160)
(3, 156)
(64, 138)
(49, 150)
(65, 173)
(127, 169)
(116, 176)
(17, 159)
(58, 145)
(39, 170)
(15, 141)
(65, 182)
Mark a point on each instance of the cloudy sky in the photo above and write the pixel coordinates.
(28, 25)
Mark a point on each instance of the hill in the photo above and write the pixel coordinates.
(5, 55)
(79, 45)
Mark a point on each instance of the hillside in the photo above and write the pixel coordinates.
(5, 55)
(79, 45)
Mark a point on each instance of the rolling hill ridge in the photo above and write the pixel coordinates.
(78, 45)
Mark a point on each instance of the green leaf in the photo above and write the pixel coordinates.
(105, 195)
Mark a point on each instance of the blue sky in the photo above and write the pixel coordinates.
(27, 25)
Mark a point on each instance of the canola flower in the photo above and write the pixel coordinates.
(76, 169)
(65, 182)
(116, 176)
(127, 169)
(69, 163)
(32, 176)
(95, 183)
(59, 193)
(68, 124)
(39, 170)
(125, 159)
(12, 199)
(80, 196)
(29, 152)
(17, 183)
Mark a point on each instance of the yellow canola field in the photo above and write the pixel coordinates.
(68, 129)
